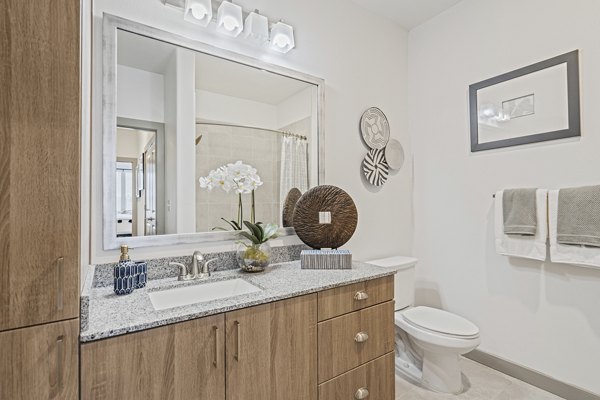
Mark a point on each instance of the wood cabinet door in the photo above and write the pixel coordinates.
(40, 362)
(39, 161)
(179, 361)
(272, 351)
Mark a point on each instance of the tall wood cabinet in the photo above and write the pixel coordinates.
(39, 198)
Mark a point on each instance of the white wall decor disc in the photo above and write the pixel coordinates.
(375, 167)
(375, 128)
(394, 154)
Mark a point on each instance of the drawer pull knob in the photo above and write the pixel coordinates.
(361, 295)
(361, 393)
(361, 337)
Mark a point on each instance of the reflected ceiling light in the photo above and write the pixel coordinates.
(256, 28)
(198, 11)
(282, 37)
(229, 19)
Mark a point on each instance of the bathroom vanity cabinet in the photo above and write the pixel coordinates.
(333, 344)
(270, 353)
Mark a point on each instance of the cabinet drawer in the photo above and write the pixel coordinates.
(345, 299)
(374, 380)
(351, 340)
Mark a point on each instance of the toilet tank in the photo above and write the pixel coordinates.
(404, 280)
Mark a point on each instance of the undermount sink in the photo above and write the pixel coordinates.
(169, 298)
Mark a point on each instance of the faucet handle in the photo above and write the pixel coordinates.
(206, 268)
(183, 270)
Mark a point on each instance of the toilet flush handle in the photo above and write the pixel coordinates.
(360, 295)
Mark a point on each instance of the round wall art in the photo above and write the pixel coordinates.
(375, 167)
(325, 217)
(375, 128)
(394, 154)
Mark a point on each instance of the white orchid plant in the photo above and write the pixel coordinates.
(237, 177)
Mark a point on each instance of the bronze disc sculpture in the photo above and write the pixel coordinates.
(287, 215)
(325, 217)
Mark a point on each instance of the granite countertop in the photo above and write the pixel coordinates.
(111, 315)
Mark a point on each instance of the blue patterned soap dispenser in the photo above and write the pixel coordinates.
(125, 273)
(142, 274)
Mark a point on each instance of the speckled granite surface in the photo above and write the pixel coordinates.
(159, 268)
(112, 315)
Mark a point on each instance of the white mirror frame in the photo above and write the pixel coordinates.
(113, 23)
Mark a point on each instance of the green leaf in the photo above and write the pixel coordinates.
(234, 225)
(254, 229)
(218, 228)
(250, 237)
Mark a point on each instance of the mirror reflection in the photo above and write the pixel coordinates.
(204, 143)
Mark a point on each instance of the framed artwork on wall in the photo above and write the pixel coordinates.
(532, 104)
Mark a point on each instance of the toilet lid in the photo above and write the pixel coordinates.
(440, 321)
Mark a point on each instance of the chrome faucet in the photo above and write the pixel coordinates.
(197, 269)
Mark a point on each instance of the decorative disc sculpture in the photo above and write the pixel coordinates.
(287, 214)
(394, 154)
(375, 167)
(375, 128)
(325, 217)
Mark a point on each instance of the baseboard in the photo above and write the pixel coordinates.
(532, 377)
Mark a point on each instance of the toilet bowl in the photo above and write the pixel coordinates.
(429, 341)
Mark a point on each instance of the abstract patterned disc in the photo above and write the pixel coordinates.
(375, 128)
(375, 167)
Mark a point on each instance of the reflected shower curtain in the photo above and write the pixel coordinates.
(294, 166)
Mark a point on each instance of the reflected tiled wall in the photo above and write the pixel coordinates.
(221, 145)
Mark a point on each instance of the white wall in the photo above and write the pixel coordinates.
(140, 94)
(545, 317)
(363, 61)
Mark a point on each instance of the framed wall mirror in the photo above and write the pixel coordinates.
(182, 120)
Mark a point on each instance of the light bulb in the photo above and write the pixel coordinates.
(198, 11)
(281, 40)
(229, 23)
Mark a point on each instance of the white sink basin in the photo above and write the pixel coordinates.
(164, 299)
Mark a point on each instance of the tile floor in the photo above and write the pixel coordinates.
(485, 384)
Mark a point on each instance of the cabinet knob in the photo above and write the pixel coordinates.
(361, 337)
(361, 295)
(361, 393)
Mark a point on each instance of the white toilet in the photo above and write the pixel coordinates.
(429, 341)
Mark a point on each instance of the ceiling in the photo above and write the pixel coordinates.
(407, 13)
(213, 74)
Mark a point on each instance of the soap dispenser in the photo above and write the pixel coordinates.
(125, 273)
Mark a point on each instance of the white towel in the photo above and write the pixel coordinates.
(533, 247)
(564, 253)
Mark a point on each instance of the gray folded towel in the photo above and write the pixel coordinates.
(519, 212)
(578, 220)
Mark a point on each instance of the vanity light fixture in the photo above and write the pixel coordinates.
(229, 19)
(198, 12)
(282, 37)
(256, 28)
